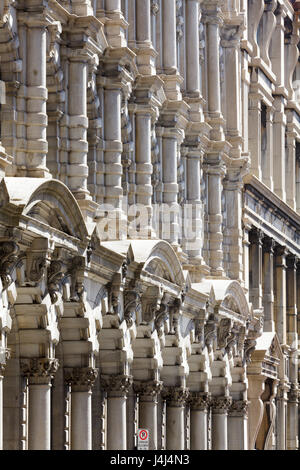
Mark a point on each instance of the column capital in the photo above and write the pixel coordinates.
(39, 370)
(239, 408)
(221, 405)
(81, 379)
(293, 395)
(199, 401)
(269, 245)
(175, 396)
(8, 259)
(149, 389)
(256, 236)
(116, 385)
(291, 261)
(281, 254)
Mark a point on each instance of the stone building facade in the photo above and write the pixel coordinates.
(149, 223)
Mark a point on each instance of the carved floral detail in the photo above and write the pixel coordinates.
(81, 378)
(199, 401)
(8, 259)
(175, 396)
(116, 383)
(150, 388)
(39, 368)
(221, 405)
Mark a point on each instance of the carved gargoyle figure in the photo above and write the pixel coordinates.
(210, 332)
(255, 331)
(8, 258)
(224, 330)
(132, 305)
(161, 315)
(199, 332)
(232, 339)
(55, 275)
(174, 312)
(75, 270)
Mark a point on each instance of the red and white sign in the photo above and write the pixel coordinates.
(143, 439)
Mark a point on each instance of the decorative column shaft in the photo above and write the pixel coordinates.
(214, 170)
(267, 156)
(37, 94)
(192, 39)
(148, 392)
(233, 233)
(268, 275)
(78, 125)
(169, 35)
(280, 298)
(238, 425)
(256, 407)
(113, 145)
(117, 388)
(277, 47)
(291, 303)
(81, 380)
(279, 158)
(195, 216)
(281, 417)
(175, 434)
(291, 170)
(199, 403)
(2, 369)
(255, 134)
(220, 406)
(256, 237)
(292, 419)
(39, 373)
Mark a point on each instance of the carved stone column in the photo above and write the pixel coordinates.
(281, 403)
(212, 17)
(81, 380)
(291, 169)
(169, 36)
(280, 290)
(199, 403)
(267, 156)
(176, 398)
(148, 392)
(268, 26)
(214, 169)
(256, 407)
(291, 304)
(279, 158)
(78, 169)
(256, 237)
(37, 94)
(2, 369)
(268, 275)
(277, 47)
(292, 419)
(254, 138)
(192, 30)
(238, 425)
(39, 373)
(117, 387)
(220, 407)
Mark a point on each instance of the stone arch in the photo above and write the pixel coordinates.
(159, 259)
(48, 201)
